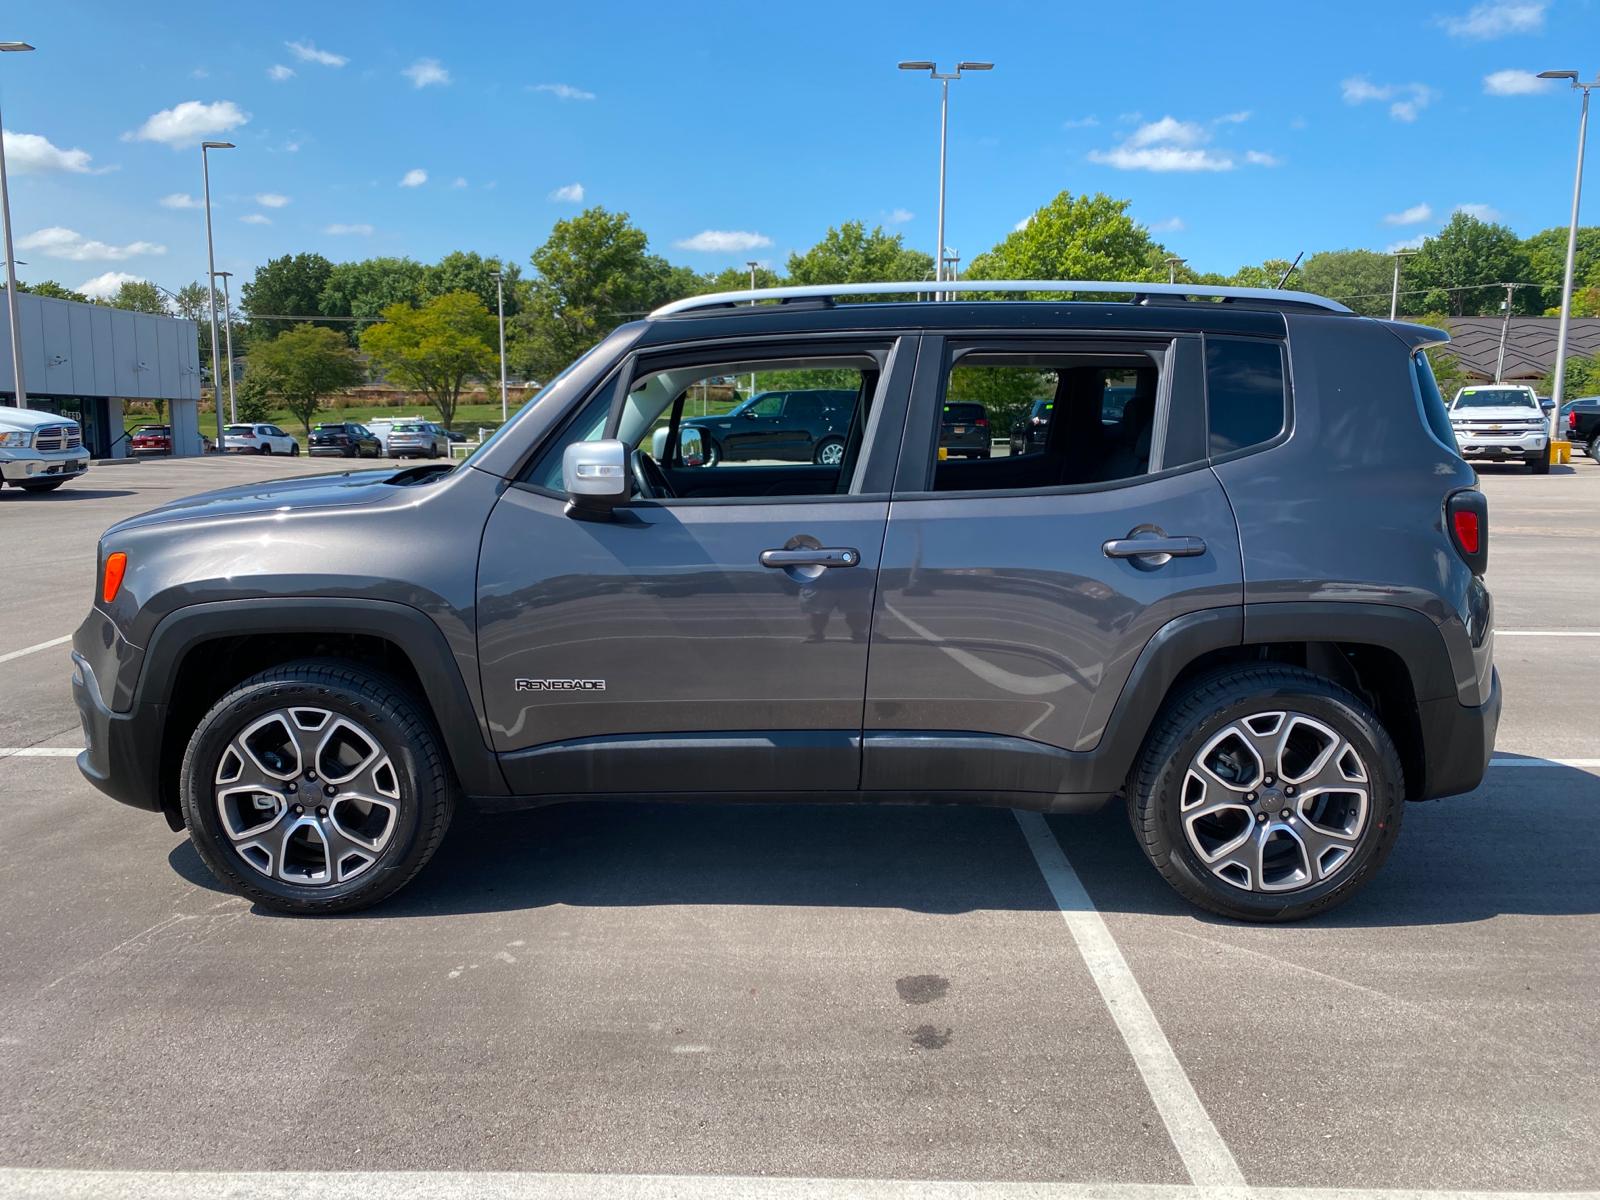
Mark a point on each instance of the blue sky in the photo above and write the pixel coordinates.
(1239, 131)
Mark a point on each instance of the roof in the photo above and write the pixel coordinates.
(1530, 344)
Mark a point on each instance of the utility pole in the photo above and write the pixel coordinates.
(1559, 390)
(227, 338)
(944, 78)
(11, 263)
(1394, 297)
(1173, 263)
(1505, 329)
(211, 278)
(500, 303)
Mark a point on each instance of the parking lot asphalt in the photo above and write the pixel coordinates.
(630, 1000)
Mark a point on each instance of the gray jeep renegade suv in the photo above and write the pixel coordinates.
(1237, 581)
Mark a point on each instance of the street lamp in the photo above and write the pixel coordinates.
(500, 303)
(11, 269)
(944, 78)
(211, 277)
(227, 325)
(1572, 246)
(1394, 296)
(1173, 263)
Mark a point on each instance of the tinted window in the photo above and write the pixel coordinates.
(239, 429)
(1244, 392)
(1433, 409)
(1494, 398)
(963, 412)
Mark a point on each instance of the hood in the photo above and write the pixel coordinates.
(342, 490)
(1499, 412)
(30, 418)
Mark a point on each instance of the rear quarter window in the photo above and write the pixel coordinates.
(1246, 398)
(1435, 413)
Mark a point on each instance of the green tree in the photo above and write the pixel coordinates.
(1447, 368)
(254, 398)
(193, 303)
(1460, 265)
(737, 279)
(138, 295)
(434, 349)
(365, 288)
(594, 271)
(49, 287)
(1359, 278)
(1583, 378)
(469, 271)
(849, 254)
(1075, 237)
(288, 286)
(301, 367)
(1264, 276)
(1547, 263)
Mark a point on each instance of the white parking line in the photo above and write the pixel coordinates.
(40, 751)
(58, 1184)
(32, 649)
(1205, 1155)
(1585, 764)
(1546, 633)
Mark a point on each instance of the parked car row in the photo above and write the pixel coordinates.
(410, 437)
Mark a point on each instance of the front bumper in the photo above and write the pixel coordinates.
(330, 451)
(25, 470)
(121, 750)
(1509, 443)
(1457, 742)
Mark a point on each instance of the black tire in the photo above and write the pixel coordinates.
(824, 446)
(424, 785)
(1594, 448)
(265, 449)
(983, 454)
(1189, 720)
(433, 451)
(294, 449)
(43, 485)
(1538, 464)
(352, 451)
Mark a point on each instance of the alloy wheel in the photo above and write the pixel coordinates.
(1275, 802)
(307, 796)
(831, 454)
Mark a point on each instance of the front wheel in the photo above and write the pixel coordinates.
(1594, 447)
(830, 453)
(316, 787)
(1538, 464)
(294, 449)
(1267, 793)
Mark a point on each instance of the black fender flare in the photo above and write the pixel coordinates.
(411, 631)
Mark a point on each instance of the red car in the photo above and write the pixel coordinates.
(151, 439)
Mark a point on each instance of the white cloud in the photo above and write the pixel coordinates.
(1161, 158)
(563, 91)
(277, 72)
(460, 181)
(900, 216)
(292, 146)
(59, 242)
(1484, 212)
(1515, 83)
(1414, 215)
(199, 73)
(256, 219)
(415, 177)
(572, 193)
(179, 200)
(724, 241)
(1406, 100)
(103, 287)
(425, 72)
(189, 123)
(1233, 118)
(1260, 158)
(349, 230)
(1497, 18)
(1168, 131)
(1170, 225)
(272, 200)
(1081, 123)
(1411, 243)
(29, 153)
(307, 52)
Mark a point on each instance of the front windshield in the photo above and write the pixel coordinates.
(1494, 398)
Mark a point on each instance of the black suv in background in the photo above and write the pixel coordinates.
(1173, 596)
(964, 430)
(804, 425)
(1580, 420)
(1027, 433)
(347, 439)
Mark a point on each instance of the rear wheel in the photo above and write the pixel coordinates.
(1594, 447)
(315, 787)
(1267, 793)
(830, 453)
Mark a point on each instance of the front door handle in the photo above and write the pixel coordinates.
(820, 556)
(1149, 547)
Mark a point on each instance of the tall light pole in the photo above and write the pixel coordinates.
(11, 266)
(1572, 248)
(1394, 296)
(500, 303)
(211, 278)
(944, 78)
(227, 341)
(1505, 330)
(1173, 263)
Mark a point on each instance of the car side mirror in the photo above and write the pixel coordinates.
(1547, 405)
(749, 414)
(596, 477)
(691, 447)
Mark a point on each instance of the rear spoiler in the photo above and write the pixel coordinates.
(1417, 336)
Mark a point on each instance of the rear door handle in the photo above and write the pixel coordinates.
(1146, 547)
(807, 557)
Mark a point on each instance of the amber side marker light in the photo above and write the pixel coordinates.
(116, 568)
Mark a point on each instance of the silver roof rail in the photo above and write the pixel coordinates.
(926, 287)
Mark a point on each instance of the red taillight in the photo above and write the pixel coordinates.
(1466, 527)
(982, 422)
(1572, 418)
(1467, 514)
(251, 436)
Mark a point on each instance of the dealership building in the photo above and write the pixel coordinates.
(84, 360)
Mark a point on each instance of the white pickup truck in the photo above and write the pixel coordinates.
(39, 451)
(1502, 421)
